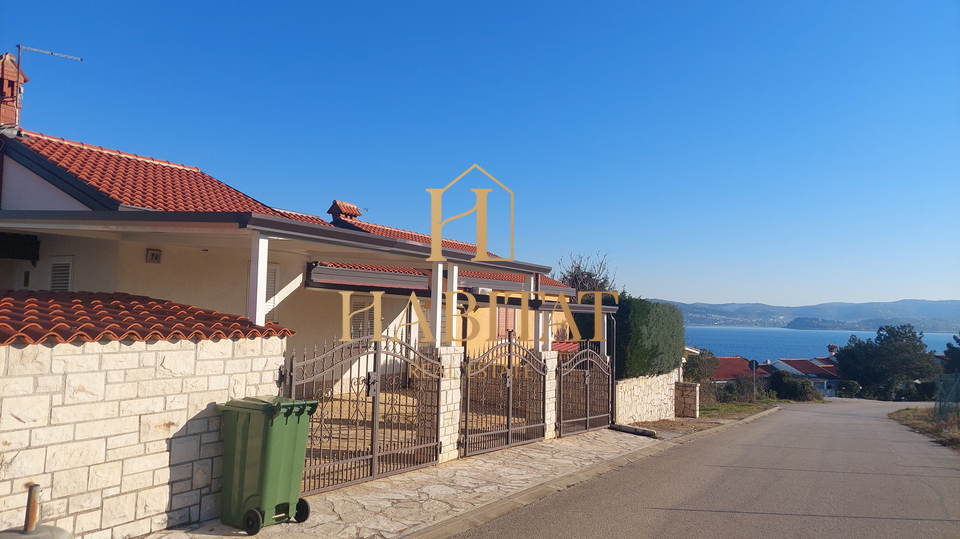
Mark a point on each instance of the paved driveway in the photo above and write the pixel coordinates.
(840, 469)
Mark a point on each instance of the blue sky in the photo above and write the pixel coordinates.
(779, 152)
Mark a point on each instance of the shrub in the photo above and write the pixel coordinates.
(787, 387)
(848, 389)
(741, 390)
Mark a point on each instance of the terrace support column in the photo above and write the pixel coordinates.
(604, 349)
(551, 429)
(451, 357)
(257, 290)
(533, 284)
(436, 301)
(453, 276)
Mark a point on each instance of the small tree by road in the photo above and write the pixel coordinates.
(952, 352)
(881, 365)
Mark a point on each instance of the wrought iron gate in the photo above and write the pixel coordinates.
(584, 385)
(503, 398)
(378, 411)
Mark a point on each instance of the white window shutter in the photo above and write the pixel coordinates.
(270, 303)
(361, 324)
(61, 273)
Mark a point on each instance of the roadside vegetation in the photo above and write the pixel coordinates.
(896, 365)
(780, 387)
(649, 335)
(945, 431)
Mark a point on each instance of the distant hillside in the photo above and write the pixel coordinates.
(925, 315)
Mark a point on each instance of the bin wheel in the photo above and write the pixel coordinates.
(252, 522)
(303, 511)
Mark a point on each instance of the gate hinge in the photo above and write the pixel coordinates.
(439, 447)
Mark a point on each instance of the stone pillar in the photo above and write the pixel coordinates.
(687, 399)
(550, 399)
(451, 357)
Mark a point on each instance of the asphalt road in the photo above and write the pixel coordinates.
(841, 469)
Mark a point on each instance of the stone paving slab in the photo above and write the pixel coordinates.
(424, 502)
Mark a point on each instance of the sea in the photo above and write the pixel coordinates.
(774, 343)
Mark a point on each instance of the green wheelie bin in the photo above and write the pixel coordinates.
(264, 445)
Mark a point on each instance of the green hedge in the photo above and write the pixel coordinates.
(649, 336)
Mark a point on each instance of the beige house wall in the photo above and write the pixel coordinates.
(207, 277)
(123, 437)
(94, 264)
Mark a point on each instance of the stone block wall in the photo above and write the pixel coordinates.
(688, 399)
(123, 437)
(646, 398)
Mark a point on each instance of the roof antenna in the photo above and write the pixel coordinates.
(20, 49)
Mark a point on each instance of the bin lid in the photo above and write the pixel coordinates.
(267, 405)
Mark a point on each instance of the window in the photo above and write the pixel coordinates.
(506, 321)
(361, 324)
(61, 273)
(270, 304)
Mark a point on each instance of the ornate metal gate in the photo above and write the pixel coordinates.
(584, 385)
(503, 398)
(378, 412)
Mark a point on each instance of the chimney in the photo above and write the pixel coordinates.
(832, 348)
(11, 79)
(344, 211)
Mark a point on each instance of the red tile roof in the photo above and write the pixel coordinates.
(731, 367)
(512, 277)
(832, 369)
(371, 267)
(41, 316)
(810, 368)
(565, 346)
(345, 215)
(145, 182)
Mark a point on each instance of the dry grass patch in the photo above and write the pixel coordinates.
(710, 416)
(945, 431)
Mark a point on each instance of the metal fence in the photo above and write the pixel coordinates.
(948, 387)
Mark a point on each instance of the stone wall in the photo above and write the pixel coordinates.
(688, 399)
(646, 398)
(124, 437)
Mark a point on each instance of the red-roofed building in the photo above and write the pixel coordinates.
(76, 216)
(825, 378)
(733, 367)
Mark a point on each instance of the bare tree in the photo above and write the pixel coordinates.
(584, 272)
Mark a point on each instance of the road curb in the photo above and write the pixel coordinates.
(492, 510)
(720, 428)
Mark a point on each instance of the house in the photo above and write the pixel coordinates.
(825, 378)
(79, 217)
(82, 224)
(831, 359)
(733, 367)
